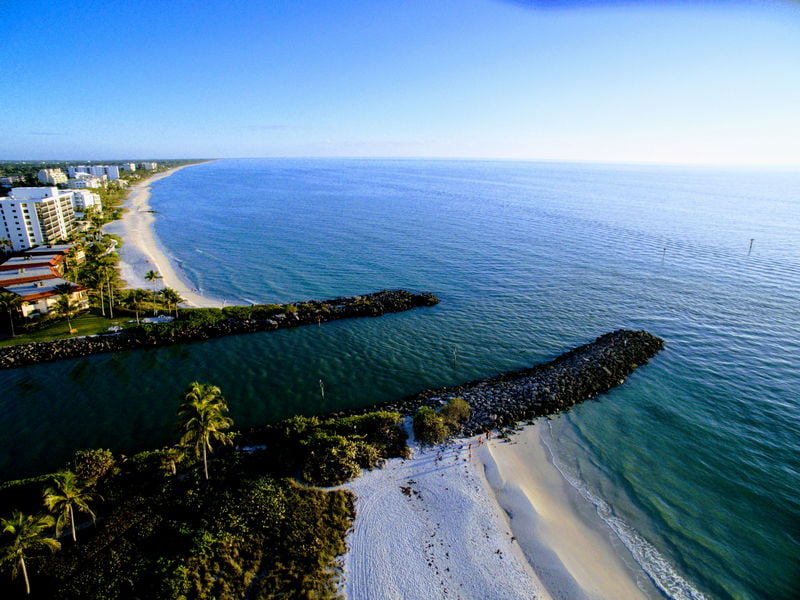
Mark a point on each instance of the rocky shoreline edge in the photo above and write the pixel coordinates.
(178, 332)
(506, 399)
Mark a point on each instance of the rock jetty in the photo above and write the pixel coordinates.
(573, 377)
(203, 324)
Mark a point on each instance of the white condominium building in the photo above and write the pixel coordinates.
(150, 166)
(36, 216)
(83, 201)
(128, 167)
(84, 180)
(110, 171)
(51, 176)
(90, 182)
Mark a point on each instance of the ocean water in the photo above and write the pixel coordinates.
(694, 462)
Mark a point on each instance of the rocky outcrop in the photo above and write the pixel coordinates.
(573, 377)
(217, 324)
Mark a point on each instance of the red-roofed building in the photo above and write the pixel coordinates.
(27, 261)
(39, 297)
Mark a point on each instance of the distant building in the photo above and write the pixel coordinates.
(86, 180)
(11, 180)
(149, 166)
(110, 171)
(75, 171)
(129, 167)
(33, 216)
(83, 201)
(51, 176)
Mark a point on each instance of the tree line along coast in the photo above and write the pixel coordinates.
(57, 265)
(232, 514)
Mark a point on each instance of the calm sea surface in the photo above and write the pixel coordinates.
(694, 462)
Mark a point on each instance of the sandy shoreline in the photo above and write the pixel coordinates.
(499, 521)
(140, 251)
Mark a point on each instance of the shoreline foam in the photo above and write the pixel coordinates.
(568, 545)
(141, 251)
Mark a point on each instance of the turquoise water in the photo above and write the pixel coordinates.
(694, 461)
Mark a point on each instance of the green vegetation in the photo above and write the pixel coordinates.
(456, 412)
(93, 465)
(175, 525)
(23, 534)
(10, 303)
(172, 298)
(68, 496)
(431, 427)
(201, 420)
(128, 306)
(152, 276)
(53, 329)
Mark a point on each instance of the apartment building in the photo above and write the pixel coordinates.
(83, 201)
(36, 216)
(39, 297)
(85, 180)
(110, 171)
(51, 176)
(149, 166)
(35, 277)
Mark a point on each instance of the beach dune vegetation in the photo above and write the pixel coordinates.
(330, 460)
(429, 426)
(432, 427)
(456, 412)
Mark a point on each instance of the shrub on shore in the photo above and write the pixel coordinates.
(330, 460)
(455, 413)
(93, 465)
(431, 427)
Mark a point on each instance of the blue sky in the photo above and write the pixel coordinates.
(683, 82)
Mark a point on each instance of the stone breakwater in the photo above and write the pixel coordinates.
(180, 331)
(573, 377)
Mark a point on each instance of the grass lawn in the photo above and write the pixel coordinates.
(86, 324)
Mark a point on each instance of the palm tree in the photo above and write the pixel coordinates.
(67, 497)
(94, 279)
(171, 297)
(173, 456)
(133, 299)
(107, 267)
(64, 305)
(6, 245)
(151, 276)
(26, 533)
(201, 421)
(9, 301)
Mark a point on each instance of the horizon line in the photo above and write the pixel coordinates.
(788, 165)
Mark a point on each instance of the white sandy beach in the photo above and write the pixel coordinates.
(501, 525)
(140, 251)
